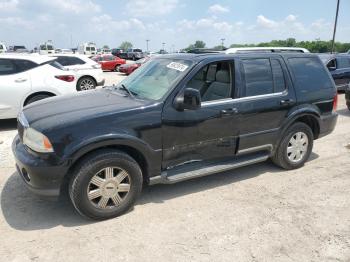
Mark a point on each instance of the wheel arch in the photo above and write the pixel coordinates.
(137, 152)
(35, 94)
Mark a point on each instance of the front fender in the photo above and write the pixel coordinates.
(152, 156)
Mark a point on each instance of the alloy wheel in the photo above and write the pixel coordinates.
(297, 147)
(109, 187)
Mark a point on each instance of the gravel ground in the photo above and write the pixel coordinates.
(256, 213)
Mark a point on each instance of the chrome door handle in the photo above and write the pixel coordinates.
(20, 80)
(229, 111)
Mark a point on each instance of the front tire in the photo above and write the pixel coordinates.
(295, 147)
(106, 184)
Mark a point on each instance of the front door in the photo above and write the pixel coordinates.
(210, 132)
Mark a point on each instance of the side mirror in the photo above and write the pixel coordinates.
(189, 99)
(332, 68)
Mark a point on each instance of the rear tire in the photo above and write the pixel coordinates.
(86, 83)
(97, 193)
(116, 69)
(36, 98)
(295, 147)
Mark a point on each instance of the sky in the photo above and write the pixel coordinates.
(177, 23)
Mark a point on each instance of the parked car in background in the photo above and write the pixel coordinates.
(46, 48)
(87, 49)
(339, 66)
(117, 52)
(25, 79)
(109, 62)
(106, 51)
(3, 48)
(240, 50)
(347, 96)
(63, 51)
(131, 67)
(88, 72)
(178, 117)
(18, 49)
(134, 54)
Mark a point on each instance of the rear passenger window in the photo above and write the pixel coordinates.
(24, 65)
(278, 77)
(258, 77)
(7, 67)
(309, 74)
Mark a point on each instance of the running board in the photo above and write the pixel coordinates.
(199, 169)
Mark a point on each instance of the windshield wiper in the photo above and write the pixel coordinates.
(122, 86)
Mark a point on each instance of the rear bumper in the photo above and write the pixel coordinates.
(41, 176)
(327, 124)
(101, 83)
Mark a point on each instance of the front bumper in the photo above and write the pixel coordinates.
(42, 176)
(327, 124)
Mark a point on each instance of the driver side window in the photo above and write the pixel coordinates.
(214, 81)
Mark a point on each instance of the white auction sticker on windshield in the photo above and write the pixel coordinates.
(177, 66)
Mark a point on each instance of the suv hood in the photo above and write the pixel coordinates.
(55, 111)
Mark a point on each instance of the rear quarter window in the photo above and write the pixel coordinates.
(309, 74)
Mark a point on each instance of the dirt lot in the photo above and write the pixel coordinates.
(256, 213)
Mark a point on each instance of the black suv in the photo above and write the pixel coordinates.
(339, 66)
(177, 117)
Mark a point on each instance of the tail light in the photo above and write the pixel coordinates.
(67, 78)
(335, 103)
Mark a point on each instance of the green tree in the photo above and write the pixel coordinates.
(199, 44)
(125, 45)
(105, 47)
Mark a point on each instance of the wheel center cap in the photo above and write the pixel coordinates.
(110, 189)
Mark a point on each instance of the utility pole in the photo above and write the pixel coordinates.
(147, 40)
(222, 43)
(335, 26)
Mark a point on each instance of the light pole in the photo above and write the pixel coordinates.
(147, 40)
(335, 26)
(222, 43)
(163, 46)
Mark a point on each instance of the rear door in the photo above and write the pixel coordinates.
(15, 84)
(264, 101)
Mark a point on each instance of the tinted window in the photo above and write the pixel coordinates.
(6, 67)
(68, 61)
(137, 50)
(24, 65)
(332, 64)
(309, 74)
(258, 77)
(343, 62)
(278, 76)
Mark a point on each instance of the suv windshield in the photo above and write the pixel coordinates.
(154, 79)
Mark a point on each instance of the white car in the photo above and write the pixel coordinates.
(266, 50)
(89, 73)
(2, 48)
(25, 79)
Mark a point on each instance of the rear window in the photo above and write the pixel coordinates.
(309, 74)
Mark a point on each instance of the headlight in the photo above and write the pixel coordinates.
(36, 141)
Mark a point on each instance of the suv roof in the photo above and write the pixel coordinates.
(214, 56)
(266, 50)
